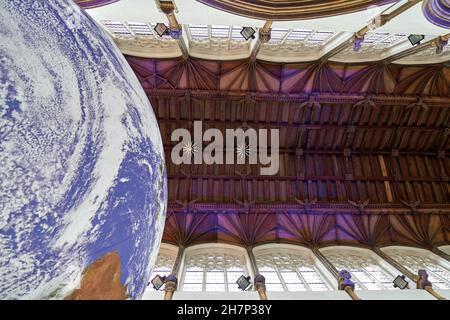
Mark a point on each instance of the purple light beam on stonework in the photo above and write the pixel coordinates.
(89, 4)
(437, 12)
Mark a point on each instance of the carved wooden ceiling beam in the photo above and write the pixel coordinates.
(338, 98)
(312, 178)
(275, 124)
(354, 151)
(317, 208)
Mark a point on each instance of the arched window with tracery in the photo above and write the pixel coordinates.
(164, 262)
(369, 272)
(214, 267)
(416, 259)
(290, 268)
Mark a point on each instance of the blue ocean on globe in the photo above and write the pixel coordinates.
(82, 170)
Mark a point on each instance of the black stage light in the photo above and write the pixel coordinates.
(158, 282)
(243, 282)
(416, 38)
(400, 282)
(161, 29)
(248, 32)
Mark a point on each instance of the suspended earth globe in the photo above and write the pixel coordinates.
(83, 189)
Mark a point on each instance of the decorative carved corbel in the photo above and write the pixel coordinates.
(260, 286)
(358, 41)
(170, 287)
(441, 43)
(307, 204)
(413, 205)
(347, 285)
(419, 103)
(425, 284)
(395, 153)
(186, 205)
(347, 152)
(311, 102)
(359, 205)
(366, 102)
(243, 175)
(265, 32)
(245, 204)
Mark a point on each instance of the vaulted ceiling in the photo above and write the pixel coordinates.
(363, 151)
(364, 136)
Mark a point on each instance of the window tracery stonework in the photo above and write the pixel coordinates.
(366, 271)
(438, 275)
(213, 271)
(286, 271)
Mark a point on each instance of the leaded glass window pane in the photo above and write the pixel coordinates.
(365, 271)
(213, 272)
(439, 276)
(163, 267)
(285, 271)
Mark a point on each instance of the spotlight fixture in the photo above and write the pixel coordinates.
(243, 282)
(416, 38)
(400, 282)
(248, 32)
(161, 29)
(158, 282)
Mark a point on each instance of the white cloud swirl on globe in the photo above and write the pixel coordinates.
(77, 133)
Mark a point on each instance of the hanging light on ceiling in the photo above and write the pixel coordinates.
(243, 282)
(161, 29)
(248, 32)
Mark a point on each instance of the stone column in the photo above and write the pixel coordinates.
(421, 279)
(177, 264)
(395, 264)
(326, 262)
(264, 37)
(344, 284)
(252, 260)
(347, 285)
(425, 284)
(175, 29)
(260, 286)
(170, 287)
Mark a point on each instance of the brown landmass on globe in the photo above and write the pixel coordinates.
(101, 280)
